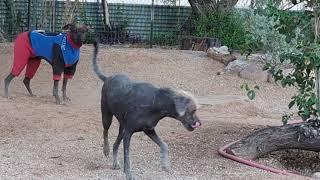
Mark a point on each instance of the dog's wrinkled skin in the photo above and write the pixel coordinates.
(78, 35)
(139, 107)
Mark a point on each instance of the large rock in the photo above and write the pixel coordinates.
(235, 67)
(254, 72)
(221, 54)
(257, 57)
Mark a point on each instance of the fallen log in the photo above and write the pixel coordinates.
(304, 136)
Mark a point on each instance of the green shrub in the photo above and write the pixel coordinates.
(289, 21)
(226, 26)
(169, 38)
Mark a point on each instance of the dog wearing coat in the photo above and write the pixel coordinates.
(138, 107)
(62, 51)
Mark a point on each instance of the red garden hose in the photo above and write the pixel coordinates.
(222, 151)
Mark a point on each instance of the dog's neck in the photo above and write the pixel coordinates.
(165, 104)
(74, 43)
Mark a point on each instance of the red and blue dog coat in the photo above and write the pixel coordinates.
(59, 50)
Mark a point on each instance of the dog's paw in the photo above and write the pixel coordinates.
(167, 169)
(106, 152)
(116, 166)
(66, 98)
(7, 97)
(62, 103)
(130, 178)
(59, 102)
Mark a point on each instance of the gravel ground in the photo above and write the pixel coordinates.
(41, 140)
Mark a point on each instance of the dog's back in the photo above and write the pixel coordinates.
(122, 95)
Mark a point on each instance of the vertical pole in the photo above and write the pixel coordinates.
(151, 25)
(53, 15)
(29, 15)
(316, 23)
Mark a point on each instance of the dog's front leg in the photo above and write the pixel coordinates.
(165, 165)
(55, 91)
(7, 83)
(126, 148)
(64, 90)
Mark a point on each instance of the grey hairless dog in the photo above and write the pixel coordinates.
(61, 50)
(139, 107)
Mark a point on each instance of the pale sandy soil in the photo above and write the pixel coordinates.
(41, 140)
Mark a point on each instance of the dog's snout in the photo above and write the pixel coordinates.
(196, 124)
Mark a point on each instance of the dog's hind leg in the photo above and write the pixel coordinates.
(163, 148)
(26, 82)
(7, 81)
(106, 122)
(32, 67)
(116, 144)
(126, 148)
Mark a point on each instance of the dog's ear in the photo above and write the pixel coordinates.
(85, 28)
(181, 104)
(69, 26)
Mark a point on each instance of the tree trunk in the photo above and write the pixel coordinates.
(204, 7)
(106, 20)
(292, 136)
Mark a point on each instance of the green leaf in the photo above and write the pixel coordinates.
(285, 119)
(247, 87)
(251, 94)
(266, 66)
(291, 104)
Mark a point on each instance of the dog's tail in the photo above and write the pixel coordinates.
(96, 67)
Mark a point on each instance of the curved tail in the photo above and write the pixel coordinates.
(96, 67)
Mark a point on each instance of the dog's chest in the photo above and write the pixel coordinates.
(70, 55)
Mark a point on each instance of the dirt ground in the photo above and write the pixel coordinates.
(41, 140)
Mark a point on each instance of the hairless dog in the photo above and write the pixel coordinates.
(138, 107)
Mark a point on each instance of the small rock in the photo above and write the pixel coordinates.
(221, 50)
(286, 72)
(254, 72)
(316, 175)
(221, 54)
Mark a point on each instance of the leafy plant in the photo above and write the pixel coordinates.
(289, 21)
(302, 77)
(250, 92)
(287, 40)
(166, 38)
(223, 25)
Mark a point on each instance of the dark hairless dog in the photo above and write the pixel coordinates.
(62, 51)
(139, 107)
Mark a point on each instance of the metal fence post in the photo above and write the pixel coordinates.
(53, 15)
(29, 15)
(151, 25)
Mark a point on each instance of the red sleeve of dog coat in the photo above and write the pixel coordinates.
(56, 77)
(67, 76)
(69, 71)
